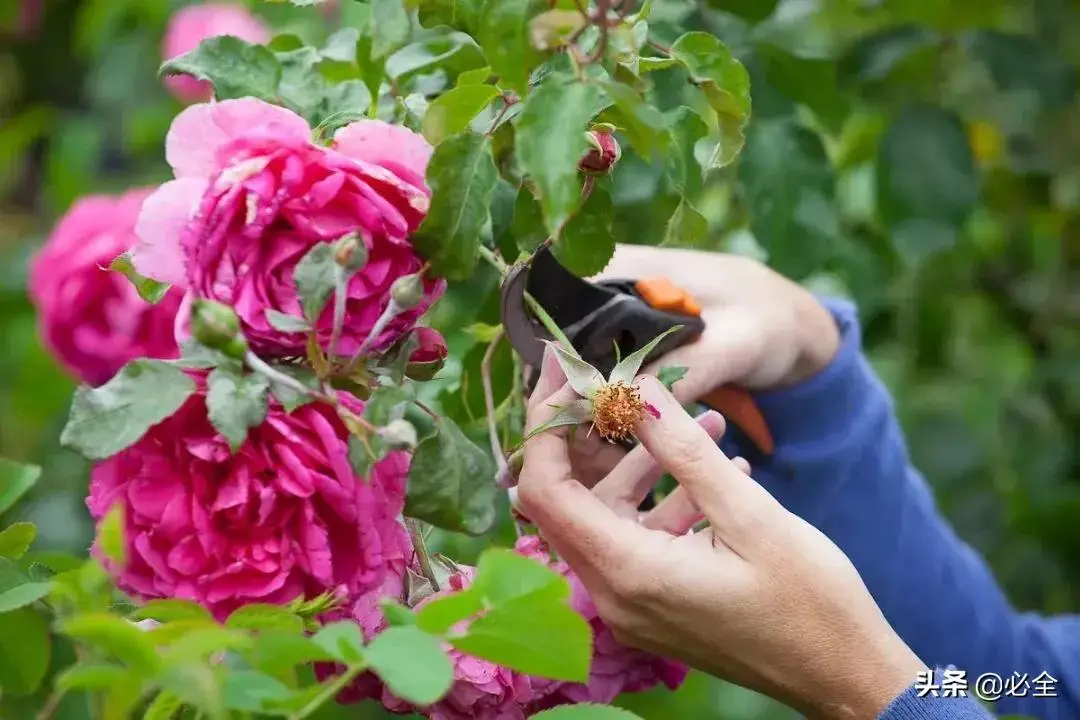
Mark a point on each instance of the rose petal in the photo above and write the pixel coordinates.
(393, 147)
(161, 222)
(200, 131)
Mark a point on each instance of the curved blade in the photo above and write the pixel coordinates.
(525, 332)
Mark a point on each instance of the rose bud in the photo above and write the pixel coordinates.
(429, 356)
(216, 326)
(604, 151)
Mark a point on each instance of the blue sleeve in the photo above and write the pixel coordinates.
(917, 703)
(841, 464)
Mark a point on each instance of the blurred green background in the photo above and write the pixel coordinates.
(941, 143)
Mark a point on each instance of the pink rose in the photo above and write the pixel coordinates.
(190, 25)
(284, 517)
(615, 668)
(253, 195)
(603, 155)
(91, 318)
(431, 348)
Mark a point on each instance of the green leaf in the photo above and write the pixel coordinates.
(396, 614)
(628, 367)
(110, 418)
(789, 188)
(681, 166)
(390, 27)
(286, 323)
(452, 482)
(198, 685)
(879, 56)
(15, 480)
(236, 402)
(527, 222)
(19, 596)
(111, 534)
(25, 651)
(502, 30)
(149, 290)
(315, 276)
(533, 635)
(115, 636)
(164, 706)
(201, 643)
(234, 67)
(343, 639)
(445, 611)
(587, 243)
(261, 616)
(462, 176)
(453, 111)
(458, 14)
(412, 664)
(670, 375)
(551, 142)
(587, 711)
(642, 123)
(253, 691)
(275, 651)
(927, 182)
(726, 85)
(94, 676)
(16, 539)
(503, 575)
(686, 228)
(170, 610)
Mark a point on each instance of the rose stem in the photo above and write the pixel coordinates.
(257, 364)
(340, 296)
(541, 314)
(489, 406)
(416, 534)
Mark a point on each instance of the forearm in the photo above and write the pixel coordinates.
(841, 464)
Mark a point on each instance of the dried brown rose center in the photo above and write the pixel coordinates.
(617, 408)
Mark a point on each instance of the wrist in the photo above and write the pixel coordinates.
(819, 341)
(873, 682)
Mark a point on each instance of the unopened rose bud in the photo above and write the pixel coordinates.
(216, 326)
(604, 152)
(407, 292)
(429, 356)
(399, 435)
(350, 253)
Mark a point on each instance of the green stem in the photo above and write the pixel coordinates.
(416, 534)
(541, 314)
(330, 691)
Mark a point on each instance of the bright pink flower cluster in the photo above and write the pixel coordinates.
(485, 691)
(92, 319)
(190, 25)
(284, 517)
(253, 194)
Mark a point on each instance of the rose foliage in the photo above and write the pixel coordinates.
(273, 437)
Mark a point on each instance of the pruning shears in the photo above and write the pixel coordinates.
(598, 316)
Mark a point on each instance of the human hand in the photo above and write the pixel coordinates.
(762, 331)
(759, 597)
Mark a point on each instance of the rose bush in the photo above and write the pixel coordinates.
(92, 319)
(266, 489)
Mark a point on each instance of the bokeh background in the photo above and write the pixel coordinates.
(943, 141)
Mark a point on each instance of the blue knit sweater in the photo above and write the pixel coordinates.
(841, 464)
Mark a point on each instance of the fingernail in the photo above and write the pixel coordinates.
(712, 421)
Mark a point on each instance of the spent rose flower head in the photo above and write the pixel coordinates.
(254, 194)
(192, 24)
(284, 517)
(91, 318)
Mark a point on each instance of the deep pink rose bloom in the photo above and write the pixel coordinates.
(284, 517)
(253, 195)
(190, 25)
(615, 668)
(91, 318)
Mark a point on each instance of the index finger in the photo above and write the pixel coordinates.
(736, 506)
(585, 531)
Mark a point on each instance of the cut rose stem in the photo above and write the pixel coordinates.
(416, 534)
(489, 405)
(541, 314)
